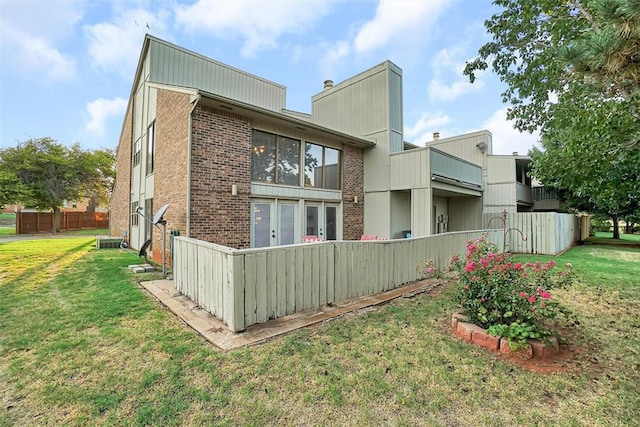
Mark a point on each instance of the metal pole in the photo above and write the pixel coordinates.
(164, 249)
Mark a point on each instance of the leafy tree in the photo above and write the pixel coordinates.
(543, 49)
(43, 173)
(585, 156)
(11, 188)
(572, 71)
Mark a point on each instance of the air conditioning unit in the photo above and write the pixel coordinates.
(108, 242)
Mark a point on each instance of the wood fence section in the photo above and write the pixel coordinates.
(248, 286)
(547, 233)
(39, 222)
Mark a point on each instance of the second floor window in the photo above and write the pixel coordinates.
(322, 167)
(151, 147)
(137, 146)
(275, 159)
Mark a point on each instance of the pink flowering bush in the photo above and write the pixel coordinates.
(427, 270)
(498, 294)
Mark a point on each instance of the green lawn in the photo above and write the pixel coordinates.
(87, 232)
(11, 231)
(82, 344)
(7, 231)
(607, 238)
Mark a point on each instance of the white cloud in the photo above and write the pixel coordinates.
(398, 20)
(507, 139)
(115, 46)
(29, 40)
(259, 23)
(448, 65)
(43, 19)
(100, 110)
(333, 56)
(40, 57)
(422, 130)
(399, 27)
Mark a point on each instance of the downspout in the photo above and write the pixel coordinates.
(195, 99)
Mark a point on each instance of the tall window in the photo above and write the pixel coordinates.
(134, 214)
(275, 159)
(321, 167)
(151, 147)
(137, 146)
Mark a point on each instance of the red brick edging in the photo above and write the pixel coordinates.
(535, 349)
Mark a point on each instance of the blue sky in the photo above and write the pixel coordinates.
(67, 65)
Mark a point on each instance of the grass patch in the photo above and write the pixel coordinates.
(7, 231)
(11, 231)
(87, 232)
(82, 344)
(607, 238)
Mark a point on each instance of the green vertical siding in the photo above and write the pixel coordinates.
(175, 66)
(396, 140)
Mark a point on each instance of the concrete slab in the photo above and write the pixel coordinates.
(214, 330)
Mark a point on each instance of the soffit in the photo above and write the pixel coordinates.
(280, 120)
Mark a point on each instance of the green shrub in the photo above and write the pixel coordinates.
(507, 298)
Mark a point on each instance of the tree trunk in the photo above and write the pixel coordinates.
(56, 220)
(616, 229)
(91, 206)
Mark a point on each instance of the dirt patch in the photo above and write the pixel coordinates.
(569, 359)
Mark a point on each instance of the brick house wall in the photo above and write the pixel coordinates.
(352, 185)
(220, 158)
(170, 164)
(121, 197)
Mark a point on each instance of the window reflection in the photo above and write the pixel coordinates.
(313, 166)
(288, 161)
(276, 159)
(322, 167)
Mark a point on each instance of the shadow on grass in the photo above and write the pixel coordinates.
(39, 270)
(625, 240)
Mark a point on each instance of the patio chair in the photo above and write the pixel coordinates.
(369, 237)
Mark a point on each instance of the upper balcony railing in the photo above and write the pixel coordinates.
(454, 169)
(545, 193)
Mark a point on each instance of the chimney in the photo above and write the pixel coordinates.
(515, 153)
(328, 84)
(436, 136)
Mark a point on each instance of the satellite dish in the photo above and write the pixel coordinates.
(157, 218)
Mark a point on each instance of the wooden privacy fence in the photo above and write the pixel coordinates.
(37, 222)
(243, 287)
(547, 233)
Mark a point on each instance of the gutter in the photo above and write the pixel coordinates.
(195, 99)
